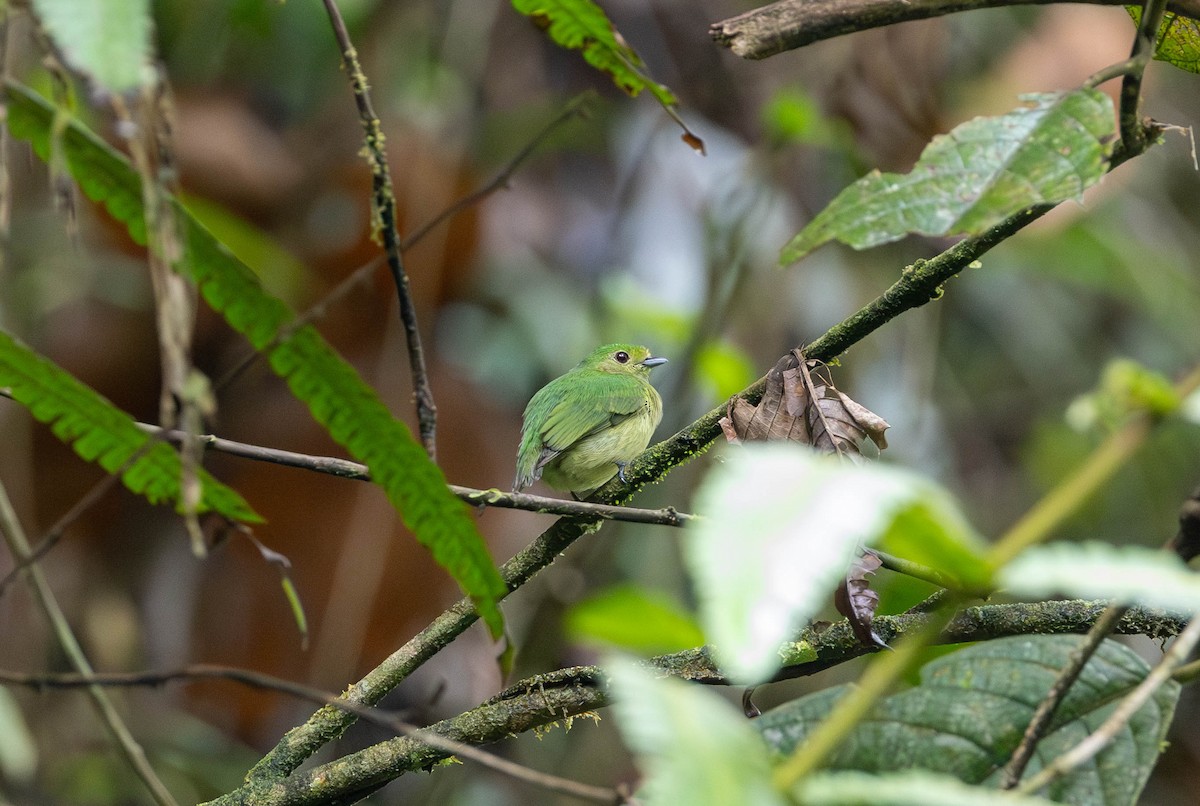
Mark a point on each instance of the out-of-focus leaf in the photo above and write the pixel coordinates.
(107, 40)
(692, 746)
(980, 173)
(909, 788)
(799, 405)
(1125, 387)
(725, 367)
(18, 750)
(856, 600)
(792, 116)
(972, 707)
(934, 532)
(1131, 574)
(781, 526)
(1178, 39)
(635, 619)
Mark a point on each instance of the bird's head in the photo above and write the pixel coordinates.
(622, 359)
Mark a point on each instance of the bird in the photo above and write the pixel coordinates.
(584, 427)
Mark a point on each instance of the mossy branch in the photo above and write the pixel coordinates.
(557, 697)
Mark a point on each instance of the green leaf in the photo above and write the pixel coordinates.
(693, 747)
(1178, 39)
(333, 391)
(781, 527)
(969, 712)
(635, 619)
(909, 788)
(977, 175)
(582, 25)
(1132, 574)
(106, 40)
(102, 433)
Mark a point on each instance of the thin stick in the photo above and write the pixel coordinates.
(384, 204)
(1040, 723)
(14, 536)
(345, 468)
(203, 671)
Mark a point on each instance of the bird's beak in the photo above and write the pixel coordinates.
(653, 362)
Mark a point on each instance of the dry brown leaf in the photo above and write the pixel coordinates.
(856, 600)
(800, 405)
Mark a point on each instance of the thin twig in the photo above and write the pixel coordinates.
(1011, 774)
(135, 756)
(1094, 743)
(202, 671)
(347, 469)
(384, 206)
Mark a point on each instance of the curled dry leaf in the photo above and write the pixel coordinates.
(802, 405)
(856, 600)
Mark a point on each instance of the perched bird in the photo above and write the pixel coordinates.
(582, 428)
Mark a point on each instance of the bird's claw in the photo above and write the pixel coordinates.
(621, 472)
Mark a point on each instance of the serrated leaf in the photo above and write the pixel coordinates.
(632, 618)
(100, 432)
(977, 175)
(692, 746)
(781, 527)
(1178, 39)
(909, 788)
(1093, 570)
(972, 707)
(333, 391)
(582, 25)
(108, 41)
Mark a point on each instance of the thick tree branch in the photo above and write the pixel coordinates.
(791, 24)
(560, 695)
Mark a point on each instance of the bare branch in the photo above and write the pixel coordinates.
(791, 24)
(482, 498)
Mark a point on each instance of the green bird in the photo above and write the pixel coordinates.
(582, 428)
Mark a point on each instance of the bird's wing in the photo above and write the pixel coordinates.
(605, 406)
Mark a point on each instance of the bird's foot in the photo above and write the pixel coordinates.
(621, 472)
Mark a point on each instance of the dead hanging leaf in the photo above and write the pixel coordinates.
(800, 404)
(856, 600)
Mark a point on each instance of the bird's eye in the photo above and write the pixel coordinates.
(622, 357)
